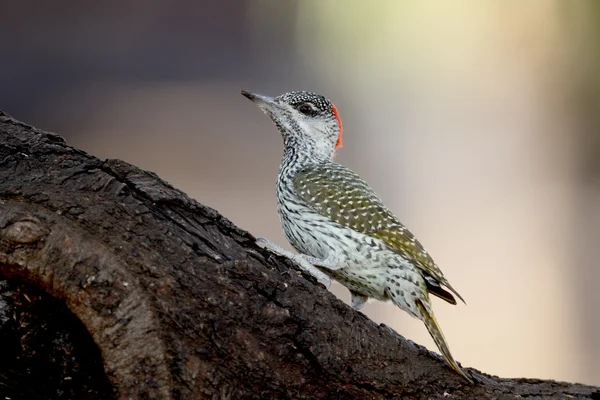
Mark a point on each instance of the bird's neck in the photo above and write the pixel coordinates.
(297, 157)
(300, 152)
(302, 148)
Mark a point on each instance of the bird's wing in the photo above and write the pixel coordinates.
(336, 192)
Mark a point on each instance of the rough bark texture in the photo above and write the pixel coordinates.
(117, 285)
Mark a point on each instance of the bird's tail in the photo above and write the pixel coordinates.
(438, 337)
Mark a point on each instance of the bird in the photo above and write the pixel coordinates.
(338, 225)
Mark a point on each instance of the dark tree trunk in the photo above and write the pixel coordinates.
(117, 285)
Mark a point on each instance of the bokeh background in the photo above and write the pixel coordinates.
(476, 121)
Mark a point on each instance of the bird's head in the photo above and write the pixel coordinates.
(307, 121)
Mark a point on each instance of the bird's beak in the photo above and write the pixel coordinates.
(266, 103)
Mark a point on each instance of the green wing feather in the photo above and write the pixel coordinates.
(336, 192)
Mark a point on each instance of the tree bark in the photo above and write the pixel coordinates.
(116, 285)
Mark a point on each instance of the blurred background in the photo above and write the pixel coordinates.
(477, 123)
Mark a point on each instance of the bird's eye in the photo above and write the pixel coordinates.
(305, 109)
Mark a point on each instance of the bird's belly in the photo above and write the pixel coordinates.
(320, 237)
(363, 259)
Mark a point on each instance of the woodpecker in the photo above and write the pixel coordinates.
(339, 226)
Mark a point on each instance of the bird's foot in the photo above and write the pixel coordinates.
(357, 300)
(305, 262)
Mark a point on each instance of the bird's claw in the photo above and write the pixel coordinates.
(262, 240)
(273, 247)
(326, 279)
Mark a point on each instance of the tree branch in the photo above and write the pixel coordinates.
(179, 302)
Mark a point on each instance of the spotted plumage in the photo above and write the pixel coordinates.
(339, 226)
(340, 194)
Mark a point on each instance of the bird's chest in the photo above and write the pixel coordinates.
(306, 230)
(311, 233)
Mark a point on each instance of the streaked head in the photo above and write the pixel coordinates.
(307, 121)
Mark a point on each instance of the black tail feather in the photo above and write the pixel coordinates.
(440, 292)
